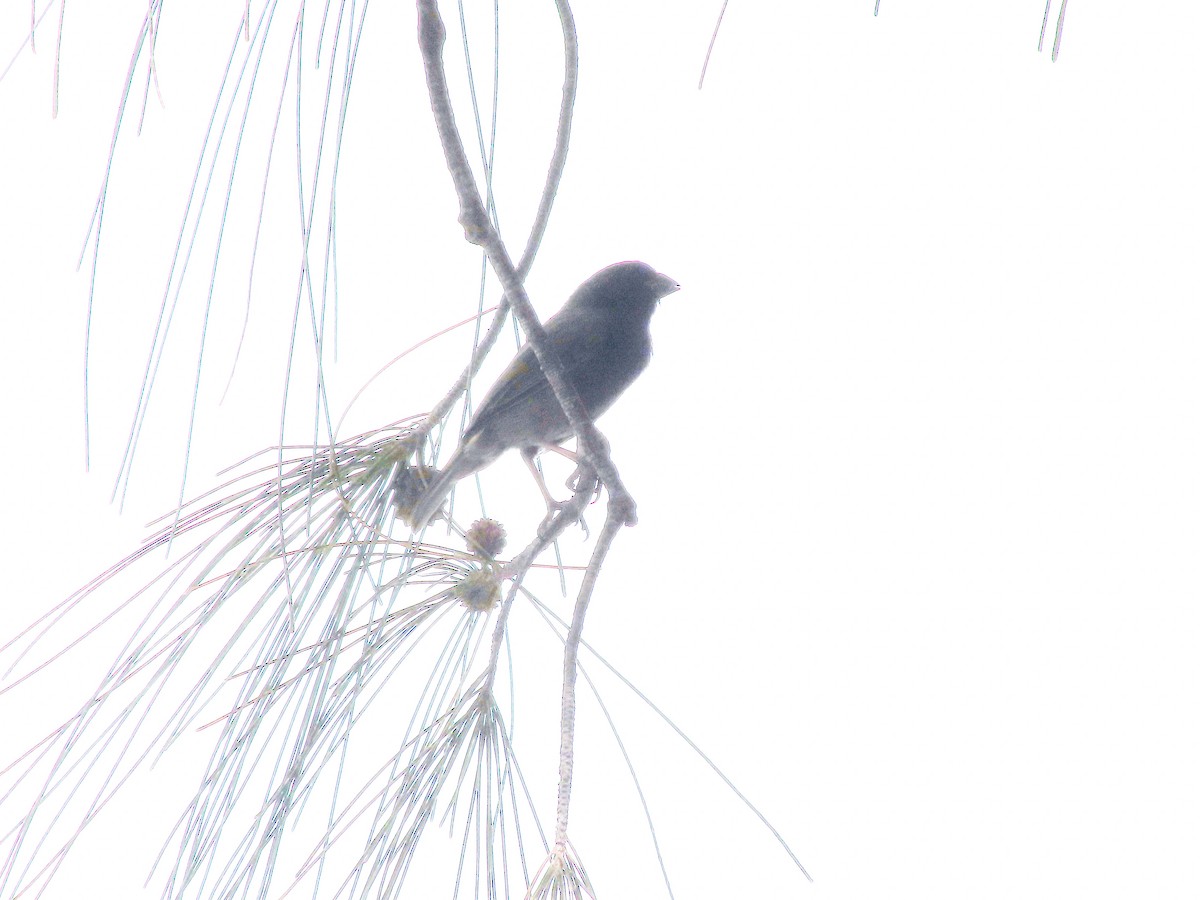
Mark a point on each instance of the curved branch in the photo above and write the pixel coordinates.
(477, 229)
(566, 755)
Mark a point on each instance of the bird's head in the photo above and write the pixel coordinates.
(630, 286)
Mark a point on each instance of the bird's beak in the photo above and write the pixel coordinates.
(665, 284)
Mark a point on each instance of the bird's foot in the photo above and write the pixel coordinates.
(556, 508)
(574, 482)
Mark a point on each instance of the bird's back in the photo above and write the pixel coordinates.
(601, 353)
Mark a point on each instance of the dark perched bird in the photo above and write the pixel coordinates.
(602, 339)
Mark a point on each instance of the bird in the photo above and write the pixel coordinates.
(601, 337)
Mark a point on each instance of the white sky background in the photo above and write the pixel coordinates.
(916, 460)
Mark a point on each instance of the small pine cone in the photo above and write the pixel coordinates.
(479, 591)
(487, 536)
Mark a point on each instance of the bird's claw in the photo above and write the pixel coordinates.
(572, 483)
(556, 508)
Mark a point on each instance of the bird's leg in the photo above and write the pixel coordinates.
(554, 506)
(573, 480)
(563, 451)
(573, 508)
(527, 454)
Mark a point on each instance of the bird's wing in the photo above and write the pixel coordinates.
(579, 338)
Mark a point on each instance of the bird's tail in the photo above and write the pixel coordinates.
(469, 458)
(435, 495)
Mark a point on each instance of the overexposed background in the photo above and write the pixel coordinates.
(916, 459)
